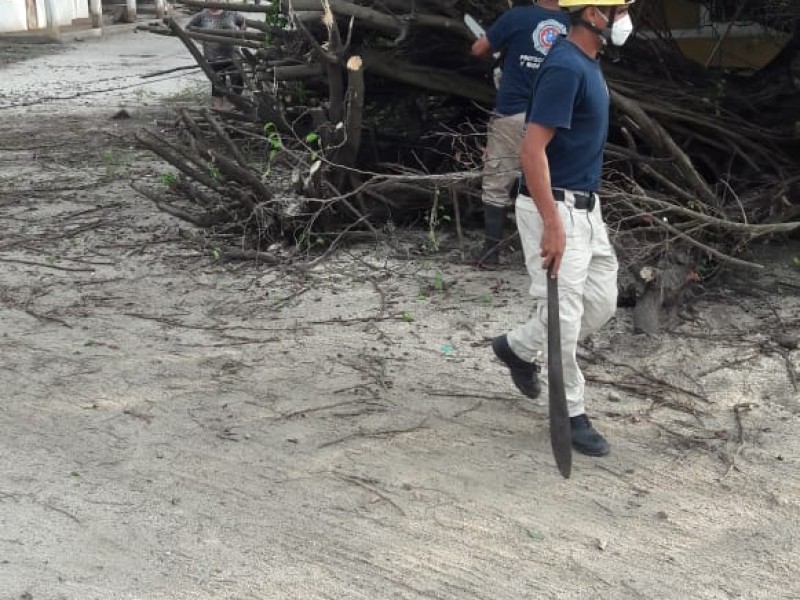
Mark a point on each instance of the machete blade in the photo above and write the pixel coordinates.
(478, 31)
(473, 26)
(560, 432)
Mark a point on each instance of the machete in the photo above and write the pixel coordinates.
(560, 432)
(478, 31)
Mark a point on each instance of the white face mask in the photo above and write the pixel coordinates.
(621, 30)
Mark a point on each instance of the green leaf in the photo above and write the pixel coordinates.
(275, 141)
(169, 179)
(312, 137)
(438, 282)
(408, 317)
(535, 535)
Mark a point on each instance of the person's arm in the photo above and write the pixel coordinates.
(495, 39)
(536, 168)
(482, 48)
(195, 21)
(551, 107)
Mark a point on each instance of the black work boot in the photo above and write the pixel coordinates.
(586, 439)
(525, 375)
(488, 255)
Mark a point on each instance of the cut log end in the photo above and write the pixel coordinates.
(355, 63)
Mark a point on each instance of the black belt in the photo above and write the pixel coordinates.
(583, 200)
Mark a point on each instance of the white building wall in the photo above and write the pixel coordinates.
(13, 14)
(80, 9)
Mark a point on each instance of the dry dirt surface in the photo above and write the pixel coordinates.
(173, 427)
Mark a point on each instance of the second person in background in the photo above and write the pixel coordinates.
(524, 35)
(218, 55)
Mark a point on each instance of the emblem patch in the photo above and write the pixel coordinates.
(546, 33)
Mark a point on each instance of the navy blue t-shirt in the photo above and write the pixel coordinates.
(570, 94)
(526, 33)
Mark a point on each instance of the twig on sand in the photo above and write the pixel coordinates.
(475, 406)
(457, 215)
(304, 411)
(512, 401)
(168, 71)
(374, 434)
(380, 292)
(621, 476)
(790, 370)
(661, 383)
(138, 415)
(468, 394)
(49, 318)
(355, 388)
(67, 514)
(361, 483)
(646, 390)
(608, 509)
(46, 265)
(738, 410)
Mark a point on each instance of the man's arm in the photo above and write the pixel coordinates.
(481, 48)
(195, 21)
(536, 168)
(496, 38)
(551, 109)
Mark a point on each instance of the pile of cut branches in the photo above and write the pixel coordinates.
(356, 113)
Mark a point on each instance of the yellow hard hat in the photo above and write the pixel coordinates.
(575, 4)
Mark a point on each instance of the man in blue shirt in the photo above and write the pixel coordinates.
(525, 34)
(558, 211)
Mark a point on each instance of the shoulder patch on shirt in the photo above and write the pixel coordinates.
(546, 34)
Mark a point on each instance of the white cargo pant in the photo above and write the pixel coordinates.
(502, 166)
(587, 286)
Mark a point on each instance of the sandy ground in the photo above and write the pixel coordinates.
(175, 428)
